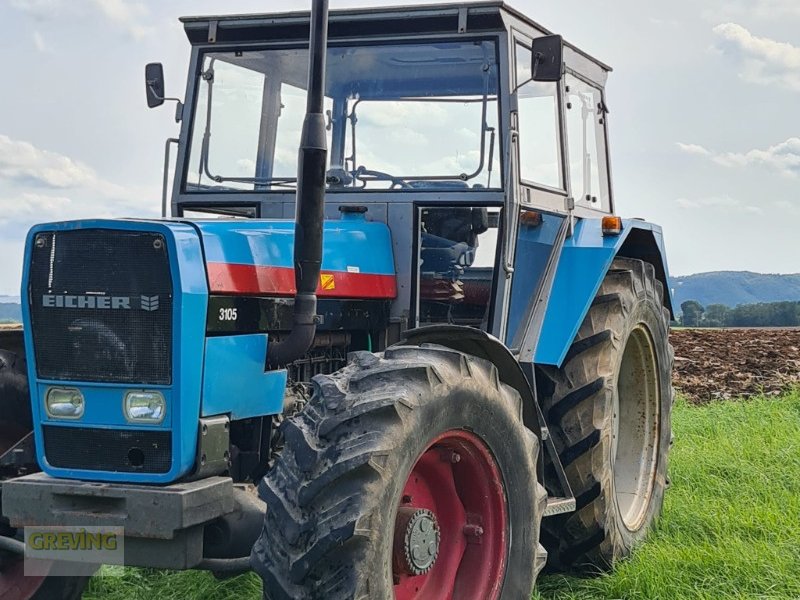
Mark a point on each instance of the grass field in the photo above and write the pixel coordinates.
(730, 529)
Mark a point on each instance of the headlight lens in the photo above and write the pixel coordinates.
(145, 407)
(64, 403)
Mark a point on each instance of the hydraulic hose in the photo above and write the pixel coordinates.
(11, 545)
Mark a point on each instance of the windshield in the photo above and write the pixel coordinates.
(403, 116)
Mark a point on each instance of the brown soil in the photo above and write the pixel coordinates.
(735, 363)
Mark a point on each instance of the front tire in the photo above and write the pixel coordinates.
(407, 476)
(609, 409)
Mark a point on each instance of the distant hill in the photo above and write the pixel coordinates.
(9, 299)
(732, 288)
(10, 311)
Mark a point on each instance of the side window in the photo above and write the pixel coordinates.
(539, 147)
(588, 169)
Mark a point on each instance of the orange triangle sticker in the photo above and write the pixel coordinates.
(327, 282)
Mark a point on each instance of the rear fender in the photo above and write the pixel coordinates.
(584, 261)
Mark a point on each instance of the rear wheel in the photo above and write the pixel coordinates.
(609, 409)
(15, 423)
(407, 476)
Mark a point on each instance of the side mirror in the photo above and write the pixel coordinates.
(154, 84)
(547, 58)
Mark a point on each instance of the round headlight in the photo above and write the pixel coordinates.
(145, 407)
(64, 403)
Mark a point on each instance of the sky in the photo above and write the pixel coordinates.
(704, 121)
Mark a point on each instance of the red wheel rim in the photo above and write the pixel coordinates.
(457, 479)
(15, 585)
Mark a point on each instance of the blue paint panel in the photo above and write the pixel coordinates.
(347, 243)
(584, 261)
(234, 381)
(190, 291)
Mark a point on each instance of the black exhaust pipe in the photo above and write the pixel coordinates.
(310, 201)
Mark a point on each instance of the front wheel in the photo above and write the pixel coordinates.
(407, 476)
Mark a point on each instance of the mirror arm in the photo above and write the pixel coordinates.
(178, 106)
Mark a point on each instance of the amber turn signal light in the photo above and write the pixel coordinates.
(612, 225)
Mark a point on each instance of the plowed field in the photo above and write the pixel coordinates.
(735, 363)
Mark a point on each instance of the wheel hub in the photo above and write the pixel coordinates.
(417, 541)
(451, 524)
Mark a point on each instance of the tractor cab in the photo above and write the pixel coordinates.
(439, 123)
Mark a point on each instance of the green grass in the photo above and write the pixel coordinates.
(730, 528)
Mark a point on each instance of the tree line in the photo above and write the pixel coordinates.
(762, 314)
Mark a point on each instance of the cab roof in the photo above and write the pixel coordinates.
(371, 22)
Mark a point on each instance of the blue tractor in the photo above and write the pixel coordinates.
(418, 359)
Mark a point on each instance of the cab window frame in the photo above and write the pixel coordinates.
(606, 205)
(524, 41)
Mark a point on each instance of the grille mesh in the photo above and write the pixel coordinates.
(108, 449)
(101, 306)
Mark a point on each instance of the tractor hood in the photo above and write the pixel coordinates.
(254, 258)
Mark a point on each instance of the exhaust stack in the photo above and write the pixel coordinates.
(309, 213)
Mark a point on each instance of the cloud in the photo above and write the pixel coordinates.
(718, 202)
(760, 9)
(783, 157)
(39, 9)
(35, 171)
(22, 162)
(130, 15)
(30, 205)
(38, 41)
(664, 22)
(763, 60)
(127, 14)
(693, 149)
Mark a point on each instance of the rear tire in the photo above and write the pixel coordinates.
(336, 493)
(609, 408)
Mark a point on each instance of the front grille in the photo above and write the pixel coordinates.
(101, 306)
(121, 450)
